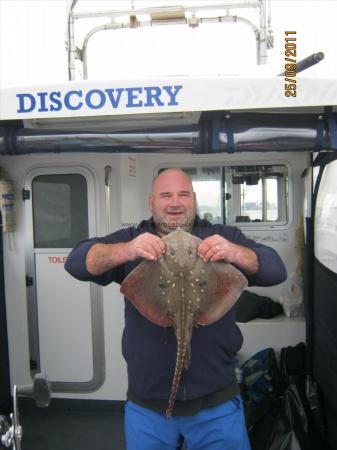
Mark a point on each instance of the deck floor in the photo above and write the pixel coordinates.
(72, 430)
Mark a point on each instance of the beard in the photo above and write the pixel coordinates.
(167, 225)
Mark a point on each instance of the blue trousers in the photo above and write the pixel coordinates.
(220, 428)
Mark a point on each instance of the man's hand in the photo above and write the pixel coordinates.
(103, 257)
(216, 248)
(147, 246)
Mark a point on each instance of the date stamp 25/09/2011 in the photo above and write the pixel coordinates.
(290, 52)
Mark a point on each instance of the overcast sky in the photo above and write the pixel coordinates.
(33, 32)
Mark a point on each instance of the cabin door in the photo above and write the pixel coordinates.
(65, 317)
(324, 304)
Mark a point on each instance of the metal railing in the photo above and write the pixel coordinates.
(192, 16)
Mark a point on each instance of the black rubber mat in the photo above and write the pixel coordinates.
(50, 429)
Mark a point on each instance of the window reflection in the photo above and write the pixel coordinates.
(245, 194)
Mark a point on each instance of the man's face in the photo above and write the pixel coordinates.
(172, 202)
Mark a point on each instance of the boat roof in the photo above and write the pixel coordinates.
(183, 98)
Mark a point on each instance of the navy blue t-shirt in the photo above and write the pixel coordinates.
(150, 350)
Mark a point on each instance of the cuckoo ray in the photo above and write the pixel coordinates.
(181, 290)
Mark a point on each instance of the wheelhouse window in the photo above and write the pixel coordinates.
(241, 194)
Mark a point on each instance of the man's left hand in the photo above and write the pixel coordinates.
(215, 248)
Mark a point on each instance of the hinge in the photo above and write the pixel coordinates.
(33, 364)
(25, 194)
(29, 281)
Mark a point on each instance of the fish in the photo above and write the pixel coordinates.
(179, 289)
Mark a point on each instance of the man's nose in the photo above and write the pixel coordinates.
(175, 201)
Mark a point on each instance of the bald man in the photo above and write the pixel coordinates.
(208, 412)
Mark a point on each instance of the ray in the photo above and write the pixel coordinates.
(182, 291)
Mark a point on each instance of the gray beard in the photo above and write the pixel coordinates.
(164, 228)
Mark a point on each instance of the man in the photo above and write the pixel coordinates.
(208, 411)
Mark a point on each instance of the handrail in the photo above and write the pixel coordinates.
(168, 9)
(233, 132)
(70, 42)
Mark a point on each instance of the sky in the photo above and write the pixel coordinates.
(33, 34)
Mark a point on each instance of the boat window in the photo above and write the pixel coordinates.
(326, 218)
(60, 210)
(244, 194)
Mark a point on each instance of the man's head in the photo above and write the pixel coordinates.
(172, 201)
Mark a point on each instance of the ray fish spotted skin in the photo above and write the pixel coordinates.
(182, 291)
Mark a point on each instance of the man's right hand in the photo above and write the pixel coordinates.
(147, 246)
(103, 257)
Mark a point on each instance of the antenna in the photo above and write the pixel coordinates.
(307, 62)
